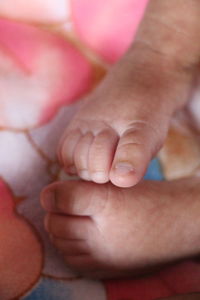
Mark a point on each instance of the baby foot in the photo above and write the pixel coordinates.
(122, 125)
(125, 121)
(105, 231)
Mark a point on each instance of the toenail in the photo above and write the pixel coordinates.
(99, 177)
(48, 201)
(84, 174)
(123, 168)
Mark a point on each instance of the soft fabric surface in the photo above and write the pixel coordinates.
(50, 57)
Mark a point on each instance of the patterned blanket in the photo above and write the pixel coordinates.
(51, 54)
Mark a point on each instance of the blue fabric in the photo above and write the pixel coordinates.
(154, 171)
(50, 289)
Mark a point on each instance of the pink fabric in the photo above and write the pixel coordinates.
(37, 11)
(108, 26)
(44, 63)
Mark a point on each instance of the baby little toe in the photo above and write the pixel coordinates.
(66, 150)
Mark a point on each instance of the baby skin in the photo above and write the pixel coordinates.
(105, 230)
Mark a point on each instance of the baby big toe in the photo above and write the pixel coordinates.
(134, 151)
(74, 198)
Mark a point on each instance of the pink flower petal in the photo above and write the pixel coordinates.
(39, 72)
(41, 11)
(108, 26)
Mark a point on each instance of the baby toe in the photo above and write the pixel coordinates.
(78, 198)
(101, 155)
(134, 152)
(66, 150)
(81, 155)
(83, 264)
(70, 247)
(67, 227)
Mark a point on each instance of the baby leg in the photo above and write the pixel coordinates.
(123, 124)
